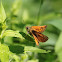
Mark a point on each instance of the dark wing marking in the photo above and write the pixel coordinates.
(36, 40)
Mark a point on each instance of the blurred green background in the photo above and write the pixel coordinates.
(22, 13)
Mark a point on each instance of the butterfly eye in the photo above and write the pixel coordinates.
(27, 28)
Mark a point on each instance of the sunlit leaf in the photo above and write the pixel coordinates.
(12, 33)
(58, 47)
(36, 60)
(2, 14)
(25, 15)
(34, 49)
(16, 6)
(24, 57)
(4, 53)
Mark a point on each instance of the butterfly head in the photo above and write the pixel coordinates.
(28, 28)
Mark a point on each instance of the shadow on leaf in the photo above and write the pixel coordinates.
(16, 49)
(27, 37)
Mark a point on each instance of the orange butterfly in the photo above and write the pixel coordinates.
(36, 32)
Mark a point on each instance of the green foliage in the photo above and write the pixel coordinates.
(12, 33)
(58, 47)
(4, 53)
(34, 49)
(57, 23)
(2, 13)
(18, 46)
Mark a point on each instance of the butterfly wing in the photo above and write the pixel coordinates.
(39, 29)
(36, 40)
(39, 37)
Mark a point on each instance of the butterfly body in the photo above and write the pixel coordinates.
(36, 32)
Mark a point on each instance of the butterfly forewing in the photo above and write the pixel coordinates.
(39, 28)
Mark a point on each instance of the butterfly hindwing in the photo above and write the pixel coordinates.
(40, 37)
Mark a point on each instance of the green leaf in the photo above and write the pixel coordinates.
(12, 33)
(33, 60)
(2, 14)
(27, 37)
(4, 53)
(57, 23)
(34, 49)
(3, 28)
(14, 56)
(58, 47)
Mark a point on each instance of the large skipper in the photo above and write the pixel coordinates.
(36, 32)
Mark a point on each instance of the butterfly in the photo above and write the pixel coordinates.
(36, 32)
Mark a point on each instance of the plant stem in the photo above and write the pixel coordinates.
(38, 16)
